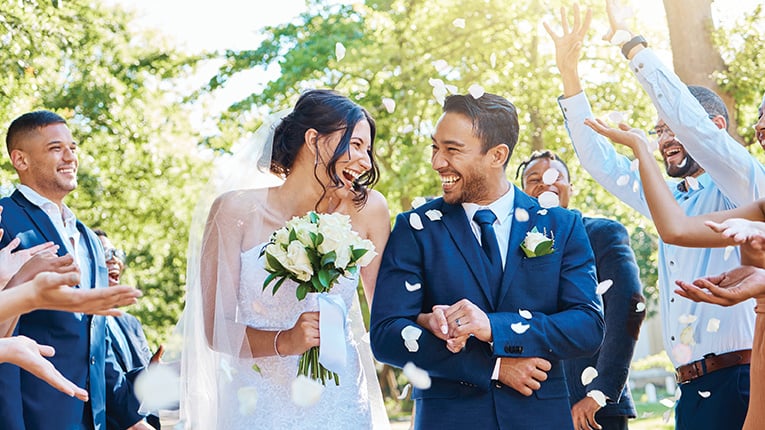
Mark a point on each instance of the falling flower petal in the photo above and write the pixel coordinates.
(598, 396)
(158, 387)
(692, 182)
(728, 251)
(519, 327)
(620, 37)
(713, 325)
(440, 66)
(616, 117)
(681, 353)
(248, 399)
(440, 94)
(686, 336)
(228, 371)
(667, 402)
(411, 345)
(678, 393)
(635, 186)
(521, 215)
(666, 416)
(687, 319)
(452, 88)
(390, 104)
(550, 176)
(623, 180)
(459, 23)
(257, 368)
(542, 212)
(434, 214)
(524, 313)
(415, 221)
(705, 394)
(493, 60)
(305, 391)
(603, 287)
(412, 287)
(635, 165)
(640, 307)
(418, 377)
(411, 332)
(476, 91)
(418, 201)
(588, 375)
(548, 199)
(339, 51)
(404, 392)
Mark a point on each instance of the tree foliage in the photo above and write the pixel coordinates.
(140, 169)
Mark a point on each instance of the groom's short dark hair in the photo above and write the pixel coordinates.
(30, 121)
(495, 119)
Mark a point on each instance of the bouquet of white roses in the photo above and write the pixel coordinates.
(314, 251)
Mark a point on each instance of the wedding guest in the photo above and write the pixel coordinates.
(319, 157)
(717, 173)
(465, 295)
(44, 155)
(759, 126)
(615, 265)
(129, 344)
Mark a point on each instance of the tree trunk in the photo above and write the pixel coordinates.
(695, 57)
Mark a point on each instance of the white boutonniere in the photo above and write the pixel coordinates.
(537, 244)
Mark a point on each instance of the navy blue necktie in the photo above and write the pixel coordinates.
(485, 219)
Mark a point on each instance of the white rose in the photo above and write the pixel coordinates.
(298, 262)
(370, 254)
(343, 257)
(277, 252)
(533, 239)
(282, 236)
(335, 237)
(303, 232)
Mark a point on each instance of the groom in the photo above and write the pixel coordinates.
(458, 297)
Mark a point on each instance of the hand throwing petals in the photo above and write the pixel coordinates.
(519, 327)
(305, 391)
(412, 287)
(588, 375)
(434, 214)
(418, 377)
(415, 221)
(603, 287)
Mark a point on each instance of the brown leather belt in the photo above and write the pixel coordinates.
(710, 363)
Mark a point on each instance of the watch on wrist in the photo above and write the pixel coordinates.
(635, 41)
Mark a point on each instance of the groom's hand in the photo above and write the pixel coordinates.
(524, 375)
(435, 322)
(465, 318)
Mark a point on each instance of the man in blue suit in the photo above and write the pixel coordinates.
(45, 157)
(460, 297)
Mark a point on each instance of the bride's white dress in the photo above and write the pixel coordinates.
(346, 406)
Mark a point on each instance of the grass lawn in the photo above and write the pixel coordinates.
(651, 417)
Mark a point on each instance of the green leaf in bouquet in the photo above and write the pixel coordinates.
(279, 284)
(325, 279)
(358, 253)
(302, 290)
(275, 264)
(314, 257)
(544, 248)
(316, 239)
(353, 270)
(269, 279)
(313, 217)
(317, 287)
(328, 258)
(293, 235)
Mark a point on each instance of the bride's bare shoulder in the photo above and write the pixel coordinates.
(237, 203)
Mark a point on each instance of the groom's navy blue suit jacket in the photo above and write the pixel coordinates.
(83, 351)
(445, 259)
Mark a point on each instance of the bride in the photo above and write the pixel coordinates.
(241, 342)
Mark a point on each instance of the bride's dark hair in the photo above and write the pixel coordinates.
(326, 112)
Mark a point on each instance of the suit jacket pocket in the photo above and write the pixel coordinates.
(553, 388)
(541, 261)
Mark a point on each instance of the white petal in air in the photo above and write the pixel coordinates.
(440, 66)
(686, 336)
(728, 251)
(305, 391)
(686, 319)
(705, 394)
(620, 37)
(459, 23)
(434, 214)
(623, 180)
(524, 313)
(692, 183)
(418, 201)
(588, 375)
(493, 60)
(636, 186)
(404, 392)
(418, 377)
(542, 212)
(451, 88)
(713, 325)
(415, 221)
(667, 402)
(598, 396)
(411, 332)
(339, 51)
(616, 117)
(158, 387)
(228, 371)
(521, 215)
(603, 287)
(390, 104)
(666, 416)
(412, 287)
(681, 353)
(635, 165)
(550, 176)
(519, 327)
(640, 307)
(548, 199)
(248, 399)
(476, 91)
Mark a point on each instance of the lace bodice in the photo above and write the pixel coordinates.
(341, 407)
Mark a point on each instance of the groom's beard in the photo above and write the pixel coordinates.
(473, 187)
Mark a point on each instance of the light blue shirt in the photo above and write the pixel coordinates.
(733, 178)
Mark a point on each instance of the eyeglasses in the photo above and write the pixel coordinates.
(661, 130)
(114, 253)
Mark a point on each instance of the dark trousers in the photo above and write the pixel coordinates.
(618, 422)
(725, 407)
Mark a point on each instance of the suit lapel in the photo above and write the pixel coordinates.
(41, 220)
(91, 250)
(457, 225)
(518, 232)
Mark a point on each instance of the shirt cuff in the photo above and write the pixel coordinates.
(495, 373)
